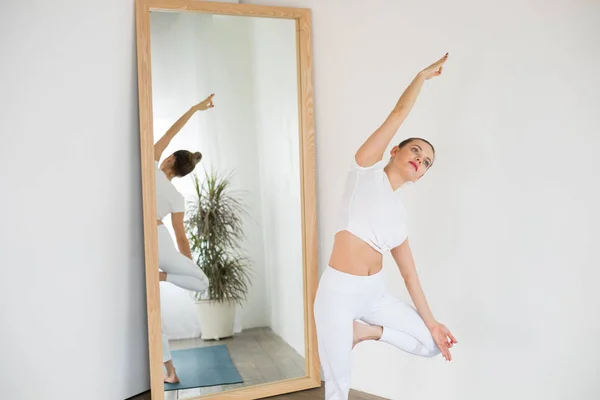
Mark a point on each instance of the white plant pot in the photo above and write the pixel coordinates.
(216, 319)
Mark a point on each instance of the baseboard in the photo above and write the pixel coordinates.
(141, 396)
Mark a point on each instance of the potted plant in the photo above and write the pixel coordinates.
(215, 229)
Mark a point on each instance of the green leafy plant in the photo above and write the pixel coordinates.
(215, 228)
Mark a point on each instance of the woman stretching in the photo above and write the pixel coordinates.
(177, 267)
(373, 221)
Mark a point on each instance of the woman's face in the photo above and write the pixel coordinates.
(413, 159)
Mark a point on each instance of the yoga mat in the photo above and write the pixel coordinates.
(203, 366)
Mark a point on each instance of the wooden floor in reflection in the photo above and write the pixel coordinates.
(259, 354)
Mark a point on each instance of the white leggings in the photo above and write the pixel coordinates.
(341, 299)
(166, 350)
(181, 271)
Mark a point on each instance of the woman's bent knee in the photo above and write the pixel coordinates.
(432, 352)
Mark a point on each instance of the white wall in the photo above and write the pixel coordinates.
(276, 110)
(504, 227)
(72, 293)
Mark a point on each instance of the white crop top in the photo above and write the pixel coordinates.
(371, 210)
(168, 198)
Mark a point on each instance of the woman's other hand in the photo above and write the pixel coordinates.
(443, 338)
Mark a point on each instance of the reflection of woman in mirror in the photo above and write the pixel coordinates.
(177, 267)
(372, 222)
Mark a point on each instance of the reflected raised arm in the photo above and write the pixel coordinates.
(164, 141)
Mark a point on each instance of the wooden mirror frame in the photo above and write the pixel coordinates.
(302, 17)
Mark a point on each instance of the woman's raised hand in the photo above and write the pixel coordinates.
(205, 104)
(435, 69)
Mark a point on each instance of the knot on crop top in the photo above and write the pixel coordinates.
(371, 210)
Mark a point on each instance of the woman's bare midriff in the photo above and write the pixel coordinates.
(354, 256)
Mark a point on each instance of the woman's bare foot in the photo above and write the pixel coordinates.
(162, 276)
(171, 374)
(364, 332)
(172, 378)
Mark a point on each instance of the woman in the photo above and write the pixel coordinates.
(177, 267)
(372, 222)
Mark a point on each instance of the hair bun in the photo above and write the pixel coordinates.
(197, 156)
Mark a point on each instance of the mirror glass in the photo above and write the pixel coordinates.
(234, 219)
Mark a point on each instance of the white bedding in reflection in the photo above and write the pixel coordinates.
(179, 319)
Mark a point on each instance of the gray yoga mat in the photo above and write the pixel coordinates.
(203, 366)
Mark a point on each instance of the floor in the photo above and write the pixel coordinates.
(319, 394)
(312, 394)
(259, 354)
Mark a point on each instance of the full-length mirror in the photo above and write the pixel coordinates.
(234, 274)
